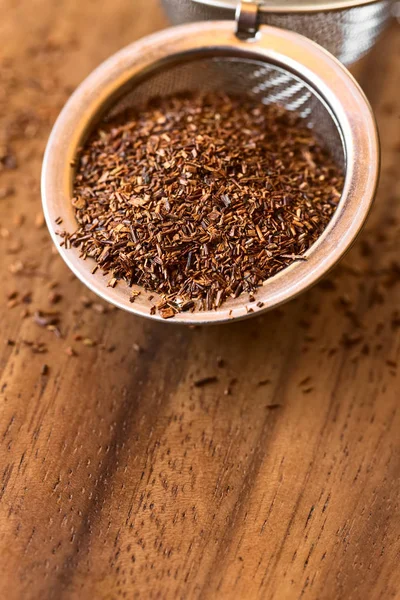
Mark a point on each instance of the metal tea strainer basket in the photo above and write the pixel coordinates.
(347, 28)
(270, 65)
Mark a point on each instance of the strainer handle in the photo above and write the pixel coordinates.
(247, 19)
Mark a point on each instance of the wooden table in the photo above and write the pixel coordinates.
(122, 479)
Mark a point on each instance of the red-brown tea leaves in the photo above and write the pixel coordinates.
(201, 198)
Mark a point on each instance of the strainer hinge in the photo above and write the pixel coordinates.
(247, 18)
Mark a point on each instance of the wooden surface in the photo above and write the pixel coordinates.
(120, 478)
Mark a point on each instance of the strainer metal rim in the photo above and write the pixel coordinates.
(290, 7)
(286, 49)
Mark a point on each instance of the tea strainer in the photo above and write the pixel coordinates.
(265, 63)
(347, 28)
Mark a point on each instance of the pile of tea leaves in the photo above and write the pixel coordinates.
(201, 197)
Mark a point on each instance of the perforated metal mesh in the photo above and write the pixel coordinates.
(241, 76)
(348, 33)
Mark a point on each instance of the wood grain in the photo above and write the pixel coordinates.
(120, 478)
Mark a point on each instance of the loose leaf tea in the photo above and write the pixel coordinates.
(201, 197)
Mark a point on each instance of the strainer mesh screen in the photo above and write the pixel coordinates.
(347, 33)
(238, 76)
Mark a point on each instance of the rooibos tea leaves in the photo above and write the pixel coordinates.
(201, 197)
